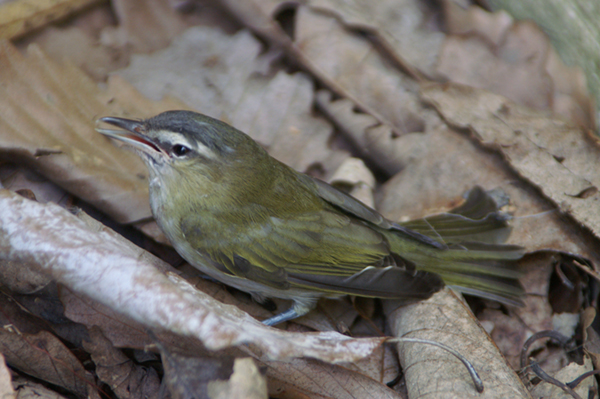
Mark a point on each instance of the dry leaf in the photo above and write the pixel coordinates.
(45, 357)
(566, 375)
(145, 25)
(510, 329)
(126, 379)
(6, 388)
(514, 59)
(224, 77)
(344, 61)
(442, 164)
(403, 25)
(374, 141)
(308, 378)
(32, 390)
(73, 44)
(246, 382)
(575, 38)
(20, 17)
(74, 254)
(47, 115)
(433, 372)
(555, 157)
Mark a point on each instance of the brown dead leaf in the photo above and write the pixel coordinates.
(47, 114)
(566, 375)
(6, 388)
(511, 329)
(558, 159)
(443, 164)
(345, 62)
(404, 26)
(20, 17)
(514, 59)
(31, 390)
(187, 376)
(73, 44)
(145, 25)
(224, 77)
(126, 379)
(433, 372)
(45, 357)
(374, 141)
(351, 62)
(309, 378)
(73, 254)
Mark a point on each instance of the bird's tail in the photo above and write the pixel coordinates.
(472, 258)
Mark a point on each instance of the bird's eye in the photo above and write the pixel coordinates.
(180, 150)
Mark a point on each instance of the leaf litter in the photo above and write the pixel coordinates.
(400, 135)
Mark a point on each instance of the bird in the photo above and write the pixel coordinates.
(252, 222)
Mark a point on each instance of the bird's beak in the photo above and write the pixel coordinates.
(131, 134)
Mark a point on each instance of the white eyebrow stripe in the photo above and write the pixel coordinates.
(177, 138)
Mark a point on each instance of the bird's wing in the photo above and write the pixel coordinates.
(357, 209)
(314, 243)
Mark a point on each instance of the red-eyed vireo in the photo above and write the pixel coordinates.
(250, 221)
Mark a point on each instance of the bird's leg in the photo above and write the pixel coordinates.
(300, 308)
(288, 315)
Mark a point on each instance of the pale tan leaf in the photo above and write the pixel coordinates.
(20, 17)
(560, 160)
(442, 164)
(245, 382)
(47, 116)
(224, 77)
(375, 141)
(351, 62)
(309, 378)
(346, 62)
(6, 388)
(514, 59)
(432, 372)
(144, 25)
(402, 24)
(99, 265)
(575, 38)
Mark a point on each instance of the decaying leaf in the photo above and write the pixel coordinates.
(20, 17)
(430, 371)
(45, 357)
(404, 26)
(106, 269)
(566, 375)
(510, 329)
(374, 141)
(145, 25)
(126, 379)
(575, 38)
(514, 59)
(47, 116)
(32, 390)
(245, 382)
(313, 379)
(557, 158)
(6, 388)
(225, 77)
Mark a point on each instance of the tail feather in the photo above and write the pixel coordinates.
(480, 265)
(477, 219)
